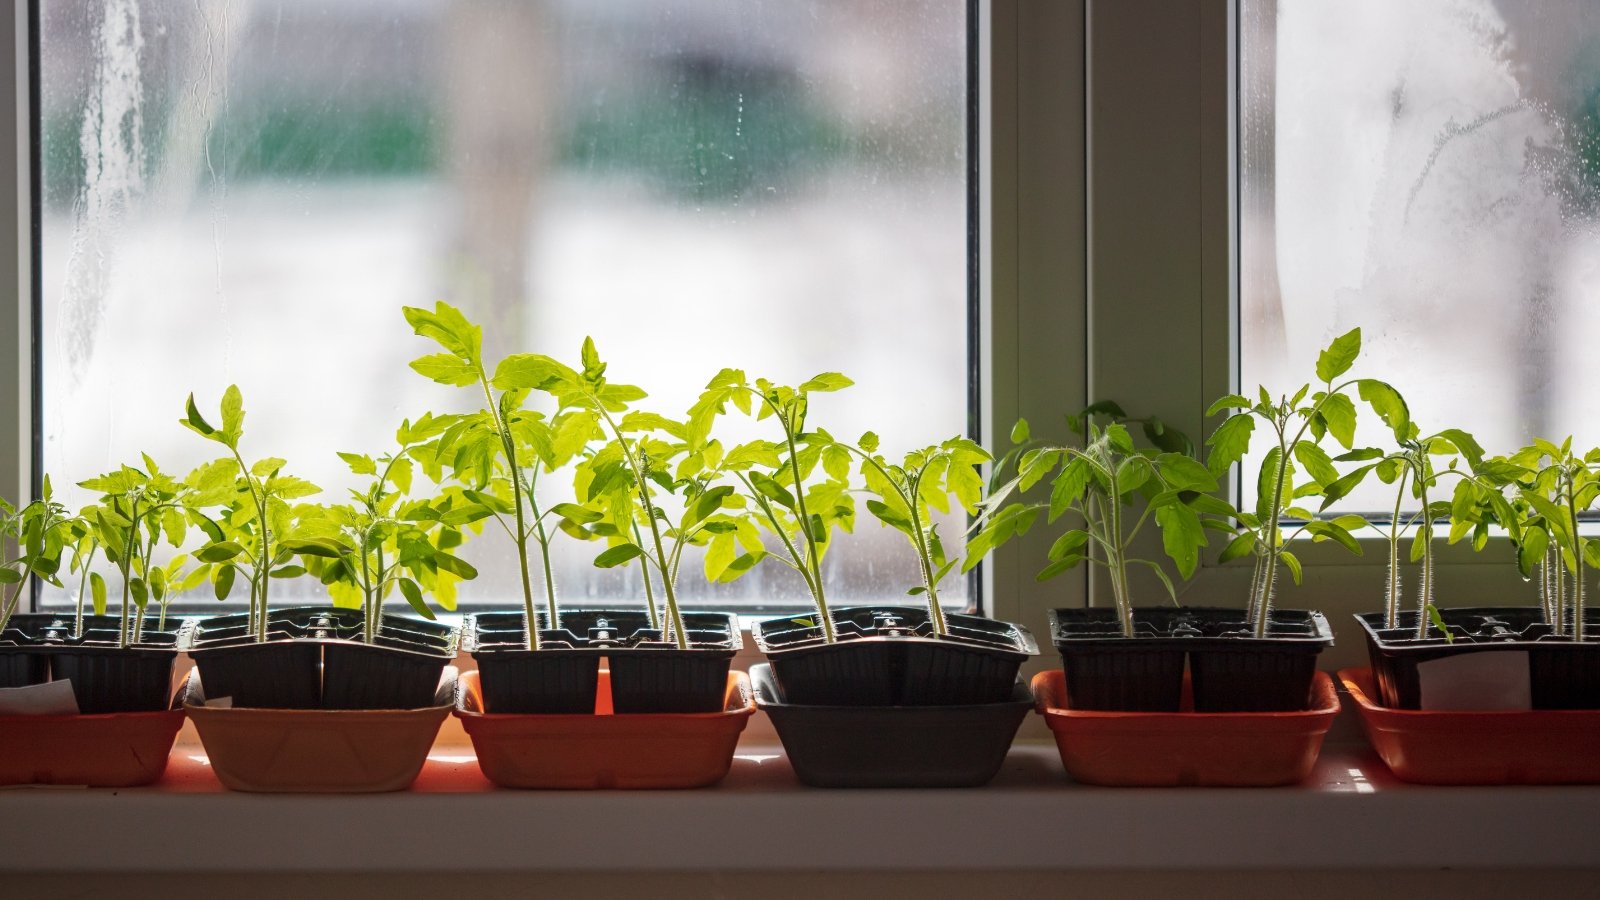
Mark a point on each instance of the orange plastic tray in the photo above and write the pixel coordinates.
(316, 750)
(604, 750)
(110, 750)
(1157, 749)
(1555, 746)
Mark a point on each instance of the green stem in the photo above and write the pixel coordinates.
(530, 616)
(1263, 608)
(674, 615)
(1392, 606)
(1577, 541)
(83, 582)
(1119, 565)
(644, 573)
(543, 539)
(258, 583)
(920, 541)
(1425, 588)
(828, 632)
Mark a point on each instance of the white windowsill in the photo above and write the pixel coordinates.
(1351, 814)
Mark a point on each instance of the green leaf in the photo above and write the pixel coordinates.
(1389, 405)
(360, 463)
(1339, 412)
(222, 580)
(1069, 486)
(1057, 567)
(413, 594)
(1184, 473)
(1340, 355)
(288, 572)
(1330, 531)
(1019, 432)
(323, 549)
(1267, 493)
(827, 381)
(446, 368)
(868, 442)
(1182, 536)
(1239, 546)
(455, 565)
(1232, 401)
(219, 552)
(194, 421)
(97, 591)
(530, 371)
(616, 556)
(1229, 443)
(1293, 564)
(1438, 622)
(1068, 544)
(1316, 463)
(233, 412)
(1466, 444)
(580, 514)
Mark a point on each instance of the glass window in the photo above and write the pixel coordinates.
(1430, 172)
(250, 192)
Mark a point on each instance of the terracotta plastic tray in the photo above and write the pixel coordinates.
(605, 750)
(1554, 746)
(316, 750)
(110, 750)
(1166, 749)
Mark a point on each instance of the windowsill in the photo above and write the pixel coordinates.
(1351, 814)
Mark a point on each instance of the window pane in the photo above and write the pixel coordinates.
(1430, 172)
(250, 192)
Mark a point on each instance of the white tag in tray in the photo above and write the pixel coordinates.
(1492, 679)
(53, 698)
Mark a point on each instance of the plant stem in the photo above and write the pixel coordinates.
(935, 613)
(1577, 546)
(83, 582)
(530, 617)
(1392, 607)
(1425, 588)
(258, 584)
(644, 573)
(1117, 559)
(1263, 608)
(674, 615)
(553, 610)
(828, 633)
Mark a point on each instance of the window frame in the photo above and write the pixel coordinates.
(1106, 224)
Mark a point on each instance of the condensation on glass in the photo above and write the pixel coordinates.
(1428, 170)
(248, 192)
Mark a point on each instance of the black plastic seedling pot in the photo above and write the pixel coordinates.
(895, 746)
(889, 656)
(1562, 673)
(1230, 669)
(314, 658)
(40, 647)
(649, 674)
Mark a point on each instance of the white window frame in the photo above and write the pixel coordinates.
(1106, 260)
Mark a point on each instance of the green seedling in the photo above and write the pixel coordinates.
(1298, 424)
(393, 543)
(498, 453)
(1115, 488)
(622, 483)
(1553, 487)
(1413, 468)
(773, 479)
(137, 508)
(39, 531)
(906, 495)
(260, 533)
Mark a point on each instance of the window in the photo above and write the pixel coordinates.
(248, 193)
(1429, 171)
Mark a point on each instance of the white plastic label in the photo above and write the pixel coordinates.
(1490, 679)
(53, 698)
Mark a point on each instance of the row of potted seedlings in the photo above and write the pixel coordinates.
(350, 697)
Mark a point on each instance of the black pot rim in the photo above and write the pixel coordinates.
(1391, 639)
(764, 686)
(566, 642)
(1019, 641)
(1322, 636)
(395, 633)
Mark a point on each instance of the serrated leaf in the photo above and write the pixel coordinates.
(1340, 355)
(1229, 443)
(1293, 564)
